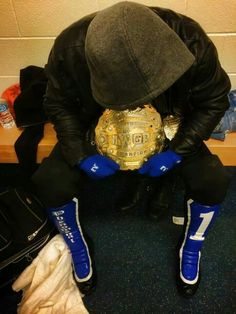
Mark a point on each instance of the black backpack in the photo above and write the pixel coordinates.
(24, 230)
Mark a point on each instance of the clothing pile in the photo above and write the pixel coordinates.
(228, 122)
(25, 102)
(47, 283)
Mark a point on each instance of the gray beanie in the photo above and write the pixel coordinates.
(133, 56)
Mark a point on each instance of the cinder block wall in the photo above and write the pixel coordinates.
(29, 27)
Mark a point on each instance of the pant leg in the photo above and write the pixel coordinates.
(206, 179)
(58, 185)
(55, 182)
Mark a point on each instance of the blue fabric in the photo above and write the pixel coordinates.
(66, 219)
(98, 166)
(228, 123)
(160, 163)
(200, 220)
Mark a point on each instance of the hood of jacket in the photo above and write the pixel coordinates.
(133, 56)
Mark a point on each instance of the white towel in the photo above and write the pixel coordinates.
(47, 283)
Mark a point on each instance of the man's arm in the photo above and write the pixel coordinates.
(65, 112)
(209, 100)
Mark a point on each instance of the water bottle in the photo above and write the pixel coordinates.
(6, 118)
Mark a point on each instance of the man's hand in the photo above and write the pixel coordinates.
(160, 163)
(98, 166)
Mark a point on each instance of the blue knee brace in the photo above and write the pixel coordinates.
(200, 220)
(66, 219)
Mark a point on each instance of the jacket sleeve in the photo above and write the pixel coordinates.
(66, 113)
(208, 100)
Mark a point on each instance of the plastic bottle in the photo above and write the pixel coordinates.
(6, 118)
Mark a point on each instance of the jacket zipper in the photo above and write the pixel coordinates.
(28, 257)
(33, 235)
(25, 253)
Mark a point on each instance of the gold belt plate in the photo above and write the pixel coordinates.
(129, 137)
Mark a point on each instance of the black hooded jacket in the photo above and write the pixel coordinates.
(199, 96)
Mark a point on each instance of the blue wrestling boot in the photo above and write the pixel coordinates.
(200, 220)
(66, 219)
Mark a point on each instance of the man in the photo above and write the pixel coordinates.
(126, 57)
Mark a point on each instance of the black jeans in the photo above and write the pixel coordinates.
(206, 179)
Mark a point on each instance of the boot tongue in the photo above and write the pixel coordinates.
(133, 56)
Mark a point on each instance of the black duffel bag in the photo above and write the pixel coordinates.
(24, 230)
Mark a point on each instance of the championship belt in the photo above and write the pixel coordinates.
(129, 137)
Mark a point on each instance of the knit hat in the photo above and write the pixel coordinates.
(133, 56)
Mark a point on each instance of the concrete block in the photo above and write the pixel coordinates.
(232, 78)
(6, 82)
(229, 53)
(49, 18)
(8, 24)
(213, 15)
(226, 47)
(178, 5)
(19, 53)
